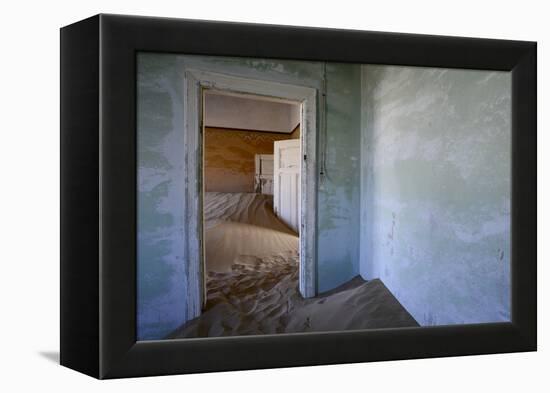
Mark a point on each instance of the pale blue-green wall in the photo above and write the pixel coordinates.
(161, 172)
(423, 154)
(161, 231)
(338, 237)
(435, 190)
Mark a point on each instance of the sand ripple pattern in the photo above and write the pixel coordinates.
(260, 296)
(252, 280)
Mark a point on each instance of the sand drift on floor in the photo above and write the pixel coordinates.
(252, 280)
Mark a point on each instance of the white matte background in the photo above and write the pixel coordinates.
(29, 197)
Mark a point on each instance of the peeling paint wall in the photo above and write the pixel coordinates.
(338, 235)
(160, 214)
(161, 171)
(435, 190)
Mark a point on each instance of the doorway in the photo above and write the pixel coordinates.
(294, 174)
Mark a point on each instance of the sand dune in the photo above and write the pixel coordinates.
(260, 296)
(240, 225)
(246, 208)
(231, 242)
(252, 280)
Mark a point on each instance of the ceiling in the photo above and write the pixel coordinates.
(247, 112)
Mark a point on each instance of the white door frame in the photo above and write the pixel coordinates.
(195, 81)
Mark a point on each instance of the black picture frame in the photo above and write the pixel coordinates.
(98, 196)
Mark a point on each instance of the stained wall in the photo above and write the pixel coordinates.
(295, 134)
(422, 154)
(435, 190)
(339, 186)
(162, 263)
(229, 157)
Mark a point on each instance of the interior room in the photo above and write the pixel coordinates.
(251, 239)
(412, 199)
(251, 205)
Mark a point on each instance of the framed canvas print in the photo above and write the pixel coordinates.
(239, 196)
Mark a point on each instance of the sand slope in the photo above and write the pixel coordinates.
(246, 208)
(243, 224)
(228, 242)
(260, 296)
(252, 280)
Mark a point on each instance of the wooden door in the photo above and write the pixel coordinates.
(263, 179)
(286, 185)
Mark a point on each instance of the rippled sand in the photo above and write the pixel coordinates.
(252, 280)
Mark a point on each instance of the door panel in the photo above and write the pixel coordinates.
(286, 175)
(263, 179)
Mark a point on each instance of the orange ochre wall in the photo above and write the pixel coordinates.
(229, 157)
